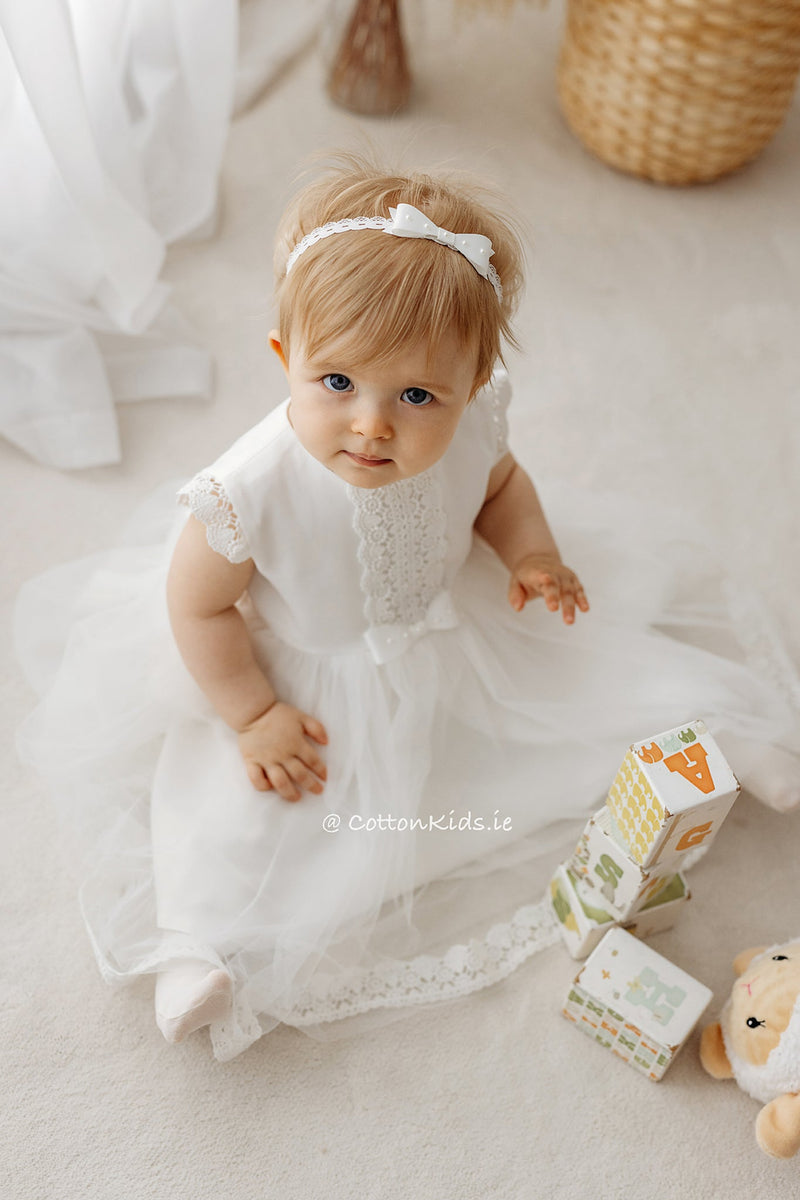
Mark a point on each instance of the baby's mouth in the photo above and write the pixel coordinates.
(366, 460)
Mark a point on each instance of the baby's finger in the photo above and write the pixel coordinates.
(551, 592)
(315, 729)
(516, 595)
(582, 602)
(255, 773)
(313, 761)
(283, 785)
(568, 606)
(300, 774)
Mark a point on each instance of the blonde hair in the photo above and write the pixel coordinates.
(367, 296)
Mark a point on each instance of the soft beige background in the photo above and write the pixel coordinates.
(660, 331)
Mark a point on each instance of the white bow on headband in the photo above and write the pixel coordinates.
(407, 221)
(410, 222)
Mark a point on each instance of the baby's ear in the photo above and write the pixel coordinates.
(712, 1052)
(275, 343)
(743, 960)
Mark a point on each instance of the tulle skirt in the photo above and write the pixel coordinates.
(458, 773)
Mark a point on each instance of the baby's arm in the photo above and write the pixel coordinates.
(202, 590)
(513, 523)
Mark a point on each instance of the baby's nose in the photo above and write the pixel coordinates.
(371, 420)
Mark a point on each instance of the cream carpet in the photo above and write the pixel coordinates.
(660, 334)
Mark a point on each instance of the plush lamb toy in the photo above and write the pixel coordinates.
(757, 1042)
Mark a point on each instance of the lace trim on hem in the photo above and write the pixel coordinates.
(207, 499)
(426, 979)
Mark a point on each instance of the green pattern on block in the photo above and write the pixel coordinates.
(639, 1055)
(673, 889)
(598, 915)
(560, 902)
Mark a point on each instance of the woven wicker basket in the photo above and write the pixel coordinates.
(679, 91)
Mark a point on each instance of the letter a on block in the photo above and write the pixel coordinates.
(692, 764)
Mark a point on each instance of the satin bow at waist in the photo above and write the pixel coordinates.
(389, 641)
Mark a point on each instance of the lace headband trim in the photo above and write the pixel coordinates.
(407, 221)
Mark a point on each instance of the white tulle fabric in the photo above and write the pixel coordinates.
(512, 718)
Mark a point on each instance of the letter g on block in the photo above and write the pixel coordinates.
(693, 837)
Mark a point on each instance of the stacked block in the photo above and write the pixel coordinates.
(635, 1003)
(669, 796)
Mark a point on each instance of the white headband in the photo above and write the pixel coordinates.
(407, 221)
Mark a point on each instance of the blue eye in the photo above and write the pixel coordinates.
(337, 383)
(417, 396)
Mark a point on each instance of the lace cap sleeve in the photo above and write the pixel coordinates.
(207, 499)
(498, 392)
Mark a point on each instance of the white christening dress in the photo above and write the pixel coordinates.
(380, 612)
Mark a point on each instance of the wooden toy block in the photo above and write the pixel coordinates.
(608, 872)
(584, 920)
(671, 795)
(662, 910)
(635, 1002)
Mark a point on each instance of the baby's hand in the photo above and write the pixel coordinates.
(278, 754)
(545, 575)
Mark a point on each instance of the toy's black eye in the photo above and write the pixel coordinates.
(780, 958)
(753, 1022)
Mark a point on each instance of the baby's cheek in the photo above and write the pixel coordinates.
(424, 449)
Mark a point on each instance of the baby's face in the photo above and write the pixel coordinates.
(376, 425)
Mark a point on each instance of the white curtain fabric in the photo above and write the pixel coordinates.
(113, 120)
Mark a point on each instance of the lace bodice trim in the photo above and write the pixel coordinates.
(401, 547)
(207, 499)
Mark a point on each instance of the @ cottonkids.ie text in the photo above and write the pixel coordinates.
(449, 822)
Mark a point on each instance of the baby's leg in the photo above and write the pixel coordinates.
(190, 995)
